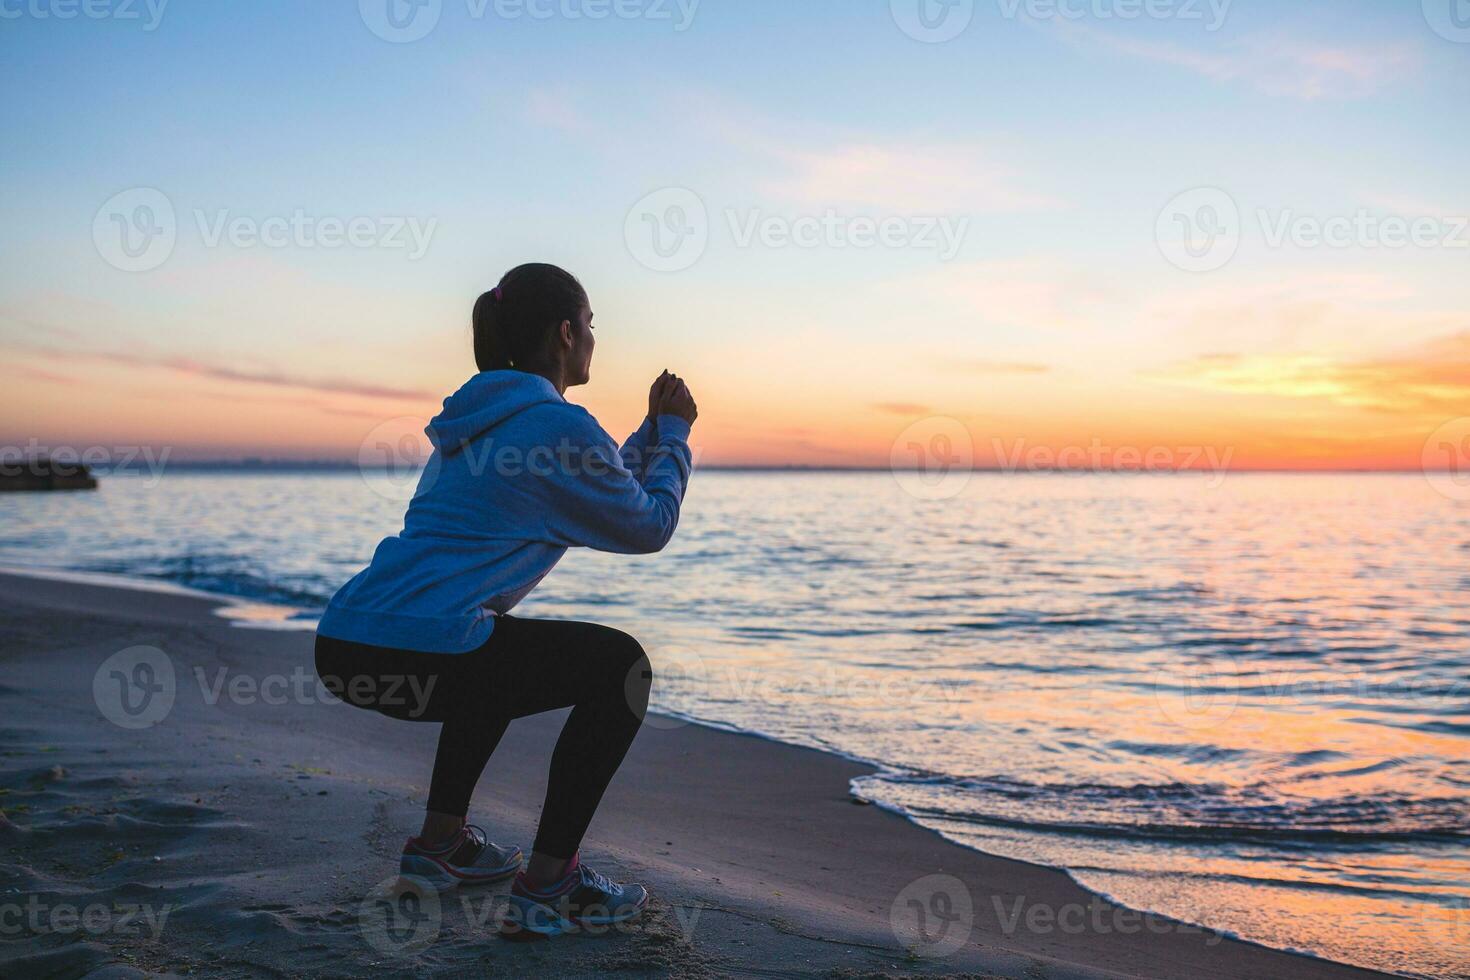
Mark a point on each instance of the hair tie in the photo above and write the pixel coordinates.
(497, 294)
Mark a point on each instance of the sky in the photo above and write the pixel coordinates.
(1002, 230)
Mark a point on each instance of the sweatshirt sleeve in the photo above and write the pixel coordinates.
(599, 503)
(639, 448)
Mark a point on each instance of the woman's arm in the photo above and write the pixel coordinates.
(640, 445)
(639, 448)
(597, 502)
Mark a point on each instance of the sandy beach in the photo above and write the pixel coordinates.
(248, 830)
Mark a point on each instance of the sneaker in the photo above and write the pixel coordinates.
(582, 901)
(468, 859)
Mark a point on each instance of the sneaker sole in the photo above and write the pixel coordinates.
(442, 879)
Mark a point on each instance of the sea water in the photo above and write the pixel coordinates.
(1240, 702)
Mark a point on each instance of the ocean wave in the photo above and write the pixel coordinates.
(225, 574)
(1259, 812)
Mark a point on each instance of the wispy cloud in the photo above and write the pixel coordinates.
(189, 366)
(1284, 66)
(1434, 378)
(816, 166)
(905, 178)
(39, 374)
(902, 408)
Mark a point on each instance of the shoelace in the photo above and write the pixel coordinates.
(477, 835)
(595, 880)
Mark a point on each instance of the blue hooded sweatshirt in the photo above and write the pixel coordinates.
(518, 475)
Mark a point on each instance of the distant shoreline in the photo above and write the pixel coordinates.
(346, 466)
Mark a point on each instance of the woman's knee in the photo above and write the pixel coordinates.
(629, 669)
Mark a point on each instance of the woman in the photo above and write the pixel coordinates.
(518, 475)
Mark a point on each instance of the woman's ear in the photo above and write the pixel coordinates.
(568, 335)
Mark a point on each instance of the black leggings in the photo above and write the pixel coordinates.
(526, 667)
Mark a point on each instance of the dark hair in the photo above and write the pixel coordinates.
(514, 321)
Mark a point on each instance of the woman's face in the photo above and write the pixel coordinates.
(579, 358)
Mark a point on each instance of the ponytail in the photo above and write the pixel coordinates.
(514, 323)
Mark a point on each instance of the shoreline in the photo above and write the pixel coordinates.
(760, 835)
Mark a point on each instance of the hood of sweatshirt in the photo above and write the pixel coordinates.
(484, 402)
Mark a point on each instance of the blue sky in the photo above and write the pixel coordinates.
(1056, 141)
